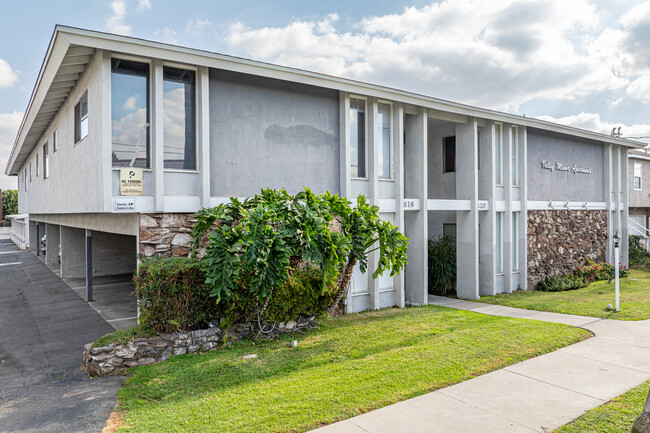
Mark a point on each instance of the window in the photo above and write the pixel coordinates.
(130, 113)
(30, 171)
(515, 157)
(179, 118)
(46, 161)
(449, 154)
(497, 154)
(637, 176)
(25, 179)
(37, 168)
(357, 138)
(55, 141)
(81, 118)
(383, 135)
(499, 242)
(515, 264)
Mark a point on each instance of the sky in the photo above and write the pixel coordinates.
(581, 63)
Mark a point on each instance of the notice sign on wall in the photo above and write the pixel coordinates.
(131, 181)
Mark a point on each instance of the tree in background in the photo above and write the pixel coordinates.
(9, 202)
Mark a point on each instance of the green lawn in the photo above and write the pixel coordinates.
(590, 301)
(617, 416)
(348, 366)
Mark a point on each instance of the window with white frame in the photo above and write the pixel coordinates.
(637, 176)
(179, 118)
(515, 261)
(46, 161)
(55, 140)
(383, 136)
(357, 138)
(81, 118)
(515, 157)
(499, 242)
(497, 154)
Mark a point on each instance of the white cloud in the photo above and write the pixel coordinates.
(167, 35)
(9, 124)
(115, 22)
(129, 104)
(640, 88)
(498, 54)
(593, 122)
(8, 77)
(143, 5)
(197, 26)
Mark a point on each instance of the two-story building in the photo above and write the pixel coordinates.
(639, 193)
(124, 139)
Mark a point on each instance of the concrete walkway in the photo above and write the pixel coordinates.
(43, 327)
(537, 395)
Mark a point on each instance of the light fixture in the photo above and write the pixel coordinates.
(617, 240)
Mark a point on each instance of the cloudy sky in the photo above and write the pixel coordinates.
(579, 62)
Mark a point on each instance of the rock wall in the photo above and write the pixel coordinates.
(166, 235)
(561, 240)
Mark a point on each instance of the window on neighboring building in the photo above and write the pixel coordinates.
(46, 161)
(130, 113)
(179, 118)
(515, 261)
(81, 118)
(357, 138)
(497, 153)
(383, 135)
(637, 176)
(55, 141)
(449, 154)
(499, 242)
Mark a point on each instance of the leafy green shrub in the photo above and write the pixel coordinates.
(173, 296)
(442, 265)
(600, 271)
(638, 253)
(562, 283)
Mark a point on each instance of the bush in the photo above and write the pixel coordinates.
(638, 253)
(600, 271)
(562, 283)
(173, 296)
(442, 265)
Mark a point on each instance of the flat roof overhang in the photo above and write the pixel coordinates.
(71, 49)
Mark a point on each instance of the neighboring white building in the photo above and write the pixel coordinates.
(525, 197)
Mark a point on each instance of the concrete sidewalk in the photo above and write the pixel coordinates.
(537, 395)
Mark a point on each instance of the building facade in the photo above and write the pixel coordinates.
(525, 198)
(638, 169)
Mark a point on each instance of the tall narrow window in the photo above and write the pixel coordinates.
(515, 264)
(81, 118)
(130, 113)
(27, 187)
(499, 242)
(357, 138)
(515, 157)
(497, 154)
(30, 171)
(46, 161)
(383, 135)
(179, 118)
(449, 154)
(55, 141)
(637, 176)
(37, 167)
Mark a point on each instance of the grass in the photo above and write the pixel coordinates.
(123, 336)
(590, 301)
(616, 416)
(348, 366)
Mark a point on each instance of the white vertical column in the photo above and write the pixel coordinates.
(487, 276)
(623, 200)
(344, 139)
(204, 134)
(416, 221)
(508, 260)
(467, 284)
(106, 132)
(373, 193)
(522, 233)
(609, 199)
(398, 152)
(616, 197)
(156, 127)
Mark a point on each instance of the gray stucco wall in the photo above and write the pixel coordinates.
(270, 133)
(544, 184)
(638, 198)
(440, 185)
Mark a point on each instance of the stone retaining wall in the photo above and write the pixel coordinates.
(166, 235)
(561, 240)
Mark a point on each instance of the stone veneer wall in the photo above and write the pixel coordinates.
(166, 235)
(561, 240)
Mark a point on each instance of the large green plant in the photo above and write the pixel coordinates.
(9, 202)
(442, 265)
(263, 239)
(638, 252)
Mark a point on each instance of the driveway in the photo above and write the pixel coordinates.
(43, 327)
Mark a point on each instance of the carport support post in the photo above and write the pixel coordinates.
(89, 266)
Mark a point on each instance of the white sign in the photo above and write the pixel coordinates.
(482, 205)
(411, 204)
(124, 204)
(558, 166)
